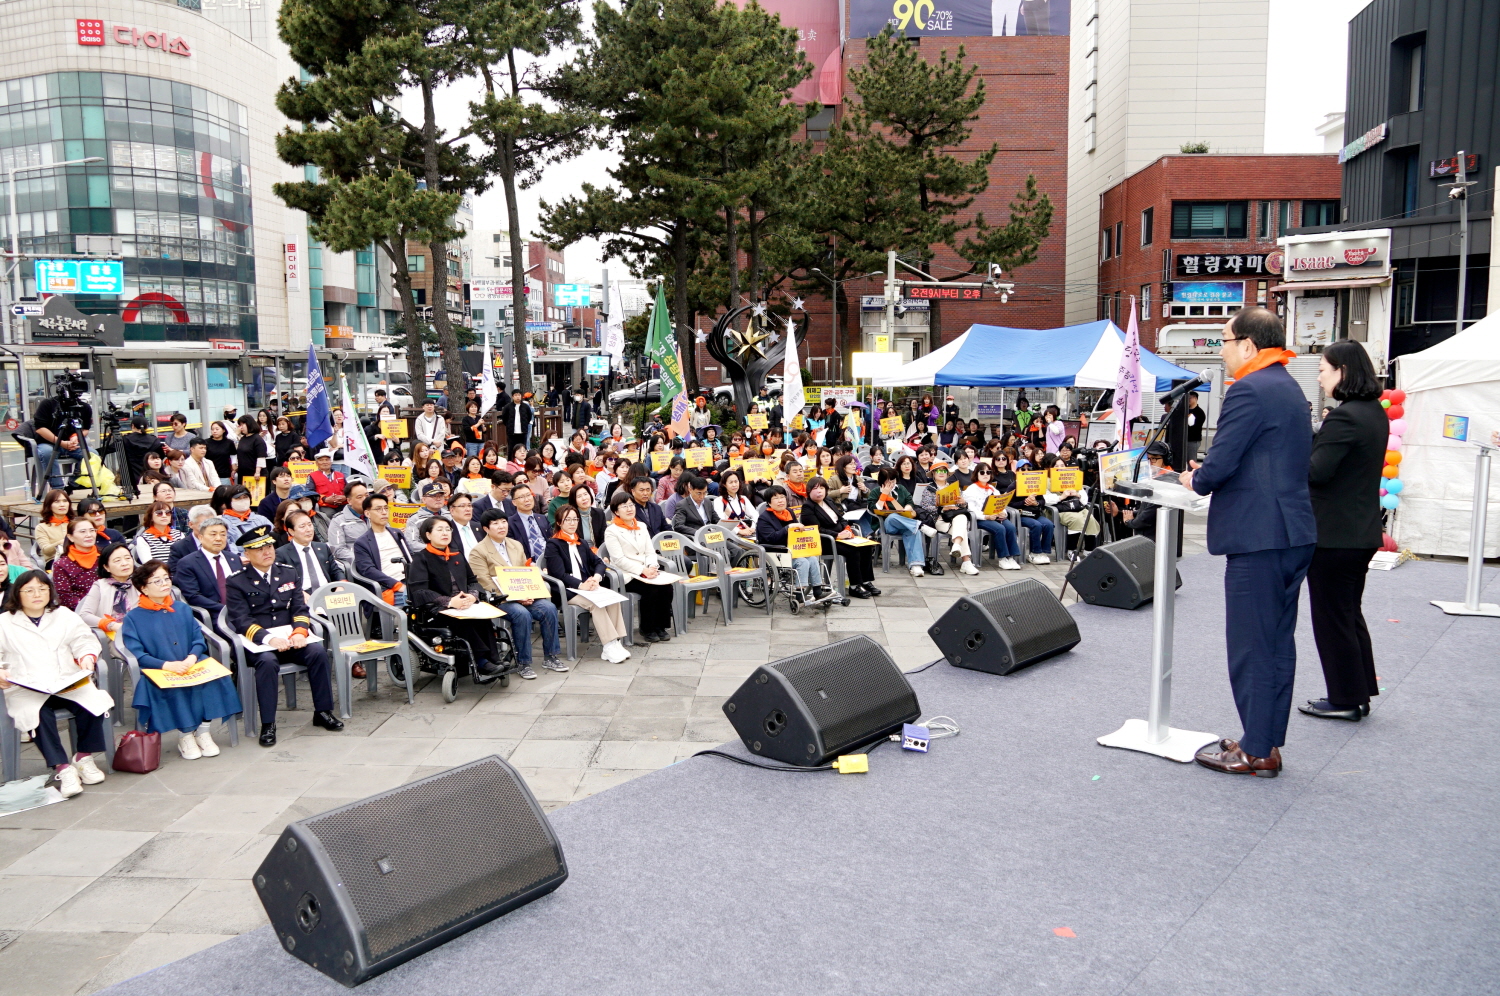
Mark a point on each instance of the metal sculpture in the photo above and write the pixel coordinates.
(750, 353)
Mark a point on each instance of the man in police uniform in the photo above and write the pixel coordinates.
(261, 597)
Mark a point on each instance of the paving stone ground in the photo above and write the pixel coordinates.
(145, 869)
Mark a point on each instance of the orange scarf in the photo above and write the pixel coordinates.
(475, 477)
(445, 554)
(242, 516)
(566, 538)
(634, 524)
(885, 500)
(151, 604)
(161, 534)
(55, 520)
(785, 515)
(89, 561)
(1263, 359)
(800, 490)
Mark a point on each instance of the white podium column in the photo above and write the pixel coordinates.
(1478, 522)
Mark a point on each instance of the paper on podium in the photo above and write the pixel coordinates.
(1167, 493)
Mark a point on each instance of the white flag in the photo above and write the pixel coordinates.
(792, 395)
(614, 327)
(1128, 381)
(487, 390)
(356, 448)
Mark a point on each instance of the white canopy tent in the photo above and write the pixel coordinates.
(1459, 376)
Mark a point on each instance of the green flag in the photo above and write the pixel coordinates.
(661, 347)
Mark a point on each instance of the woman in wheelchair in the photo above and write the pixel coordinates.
(770, 532)
(439, 578)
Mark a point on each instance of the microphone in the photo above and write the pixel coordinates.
(1204, 377)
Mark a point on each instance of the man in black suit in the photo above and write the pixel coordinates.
(646, 510)
(203, 575)
(583, 412)
(501, 482)
(313, 561)
(261, 598)
(517, 418)
(197, 515)
(694, 511)
(529, 527)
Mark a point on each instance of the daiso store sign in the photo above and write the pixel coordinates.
(94, 31)
(1337, 256)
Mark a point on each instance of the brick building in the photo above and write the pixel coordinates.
(1193, 238)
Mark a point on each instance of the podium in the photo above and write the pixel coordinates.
(1155, 734)
(1471, 605)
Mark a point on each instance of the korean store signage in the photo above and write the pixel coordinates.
(293, 268)
(1209, 292)
(1337, 259)
(1222, 264)
(91, 31)
(1368, 140)
(1440, 168)
(876, 302)
(571, 295)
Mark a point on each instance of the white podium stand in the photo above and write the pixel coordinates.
(1155, 734)
(1471, 606)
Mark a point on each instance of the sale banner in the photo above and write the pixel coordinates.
(804, 541)
(698, 456)
(399, 476)
(1031, 482)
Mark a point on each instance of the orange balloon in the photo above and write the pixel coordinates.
(1392, 457)
(1390, 470)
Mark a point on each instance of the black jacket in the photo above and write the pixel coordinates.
(291, 556)
(653, 517)
(284, 444)
(247, 451)
(254, 604)
(508, 416)
(559, 565)
(433, 580)
(367, 558)
(1344, 478)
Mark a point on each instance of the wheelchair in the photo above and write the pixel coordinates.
(439, 650)
(783, 583)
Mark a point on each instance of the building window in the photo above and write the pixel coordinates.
(1119, 238)
(1208, 219)
(420, 293)
(1402, 182)
(1408, 74)
(1284, 216)
(1148, 223)
(416, 263)
(496, 236)
(1316, 213)
(1106, 239)
(1263, 220)
(1145, 301)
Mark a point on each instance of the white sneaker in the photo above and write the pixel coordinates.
(614, 652)
(1009, 564)
(1039, 558)
(88, 771)
(67, 782)
(187, 746)
(206, 742)
(916, 570)
(929, 532)
(967, 567)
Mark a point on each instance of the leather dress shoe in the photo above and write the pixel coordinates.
(358, 671)
(870, 587)
(1234, 761)
(933, 567)
(858, 591)
(327, 721)
(1324, 709)
(268, 734)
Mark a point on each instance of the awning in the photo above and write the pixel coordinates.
(1331, 284)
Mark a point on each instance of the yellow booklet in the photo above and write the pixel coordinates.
(368, 646)
(205, 670)
(948, 496)
(995, 504)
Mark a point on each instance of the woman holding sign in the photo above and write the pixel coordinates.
(988, 502)
(941, 506)
(630, 551)
(439, 578)
(839, 536)
(163, 635)
(571, 561)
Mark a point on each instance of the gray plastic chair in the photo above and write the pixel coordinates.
(725, 548)
(218, 649)
(678, 563)
(341, 604)
(245, 677)
(10, 737)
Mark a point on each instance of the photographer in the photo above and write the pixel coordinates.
(57, 421)
(137, 444)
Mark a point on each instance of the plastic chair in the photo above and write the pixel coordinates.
(218, 648)
(342, 605)
(682, 601)
(573, 619)
(245, 676)
(10, 737)
(721, 542)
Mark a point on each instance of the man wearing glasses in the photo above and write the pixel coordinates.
(1261, 520)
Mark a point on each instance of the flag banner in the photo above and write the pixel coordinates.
(661, 347)
(319, 416)
(793, 398)
(488, 391)
(1127, 400)
(357, 456)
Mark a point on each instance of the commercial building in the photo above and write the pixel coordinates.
(1418, 95)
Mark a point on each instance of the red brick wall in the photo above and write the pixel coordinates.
(1252, 178)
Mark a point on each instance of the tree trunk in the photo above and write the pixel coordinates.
(447, 341)
(416, 361)
(687, 345)
(519, 337)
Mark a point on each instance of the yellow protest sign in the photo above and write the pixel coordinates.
(995, 504)
(200, 673)
(257, 486)
(892, 426)
(340, 600)
(949, 495)
(301, 470)
(798, 422)
(521, 582)
(393, 428)
(759, 470)
(659, 461)
(400, 512)
(399, 476)
(669, 544)
(803, 541)
(1066, 479)
(757, 421)
(1031, 482)
(698, 456)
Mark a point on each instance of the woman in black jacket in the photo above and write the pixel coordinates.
(221, 450)
(858, 560)
(440, 578)
(250, 449)
(570, 560)
(287, 437)
(1344, 480)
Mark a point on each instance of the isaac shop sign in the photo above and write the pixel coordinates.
(93, 31)
(1351, 255)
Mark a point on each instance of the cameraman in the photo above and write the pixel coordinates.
(137, 444)
(54, 422)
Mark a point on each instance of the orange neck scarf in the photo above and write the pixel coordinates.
(57, 520)
(800, 490)
(1263, 359)
(151, 604)
(568, 537)
(633, 524)
(242, 516)
(88, 560)
(445, 554)
(162, 533)
(785, 514)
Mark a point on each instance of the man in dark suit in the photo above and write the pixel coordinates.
(203, 575)
(583, 412)
(197, 515)
(311, 560)
(646, 510)
(529, 527)
(265, 596)
(382, 554)
(694, 511)
(501, 482)
(517, 418)
(1262, 521)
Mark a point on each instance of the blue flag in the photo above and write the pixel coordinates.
(319, 418)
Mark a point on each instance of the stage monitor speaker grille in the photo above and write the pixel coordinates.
(357, 890)
(809, 708)
(1119, 575)
(1005, 628)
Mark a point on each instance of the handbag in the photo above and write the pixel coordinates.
(138, 753)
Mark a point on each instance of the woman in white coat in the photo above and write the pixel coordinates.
(47, 657)
(631, 552)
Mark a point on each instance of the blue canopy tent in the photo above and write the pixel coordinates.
(1085, 355)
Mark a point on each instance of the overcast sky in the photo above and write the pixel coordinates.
(1305, 81)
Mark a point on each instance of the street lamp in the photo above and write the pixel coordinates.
(838, 332)
(15, 224)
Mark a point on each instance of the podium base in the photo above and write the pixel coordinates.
(1458, 609)
(1180, 745)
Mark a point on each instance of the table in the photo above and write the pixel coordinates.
(24, 508)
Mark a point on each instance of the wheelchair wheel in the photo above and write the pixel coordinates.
(396, 669)
(505, 681)
(794, 603)
(450, 680)
(751, 592)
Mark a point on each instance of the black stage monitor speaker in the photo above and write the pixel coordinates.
(1005, 629)
(1120, 575)
(810, 708)
(362, 888)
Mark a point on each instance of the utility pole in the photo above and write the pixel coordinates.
(1459, 191)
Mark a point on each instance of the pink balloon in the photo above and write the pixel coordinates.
(1394, 443)
(1398, 427)
(1382, 492)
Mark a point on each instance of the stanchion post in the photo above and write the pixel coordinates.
(1478, 524)
(1163, 618)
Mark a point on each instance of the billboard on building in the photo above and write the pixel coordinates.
(817, 26)
(959, 18)
(1337, 256)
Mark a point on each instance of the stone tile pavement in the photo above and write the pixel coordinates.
(142, 870)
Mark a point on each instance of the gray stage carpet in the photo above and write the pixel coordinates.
(1021, 857)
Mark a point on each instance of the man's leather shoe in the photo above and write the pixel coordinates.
(268, 734)
(1324, 709)
(1364, 710)
(651, 637)
(1236, 762)
(870, 587)
(327, 721)
(358, 671)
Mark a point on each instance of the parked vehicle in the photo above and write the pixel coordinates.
(646, 391)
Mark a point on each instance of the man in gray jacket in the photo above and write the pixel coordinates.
(349, 524)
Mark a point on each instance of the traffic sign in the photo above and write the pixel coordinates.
(572, 295)
(75, 276)
(29, 309)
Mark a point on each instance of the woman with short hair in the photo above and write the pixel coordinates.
(112, 596)
(93, 510)
(438, 578)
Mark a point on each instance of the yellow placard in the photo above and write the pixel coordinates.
(713, 536)
(1067, 479)
(698, 456)
(757, 421)
(759, 470)
(257, 486)
(205, 670)
(797, 422)
(400, 512)
(367, 647)
(521, 582)
(892, 426)
(736, 463)
(301, 470)
(399, 476)
(393, 428)
(949, 495)
(340, 600)
(804, 541)
(669, 544)
(659, 461)
(995, 504)
(1031, 482)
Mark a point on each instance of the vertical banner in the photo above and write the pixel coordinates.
(1128, 380)
(319, 416)
(357, 456)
